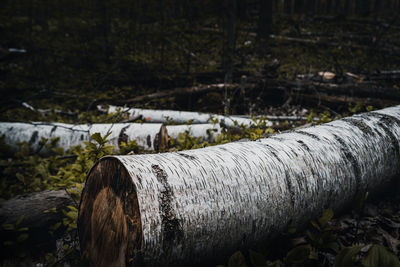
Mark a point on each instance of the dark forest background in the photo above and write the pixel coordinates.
(77, 52)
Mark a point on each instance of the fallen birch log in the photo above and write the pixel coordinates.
(181, 117)
(32, 207)
(146, 134)
(193, 206)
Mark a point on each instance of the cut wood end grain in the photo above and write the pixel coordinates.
(109, 220)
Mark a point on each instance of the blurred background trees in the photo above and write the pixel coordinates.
(123, 47)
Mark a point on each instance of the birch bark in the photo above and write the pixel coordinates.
(181, 117)
(186, 207)
(71, 135)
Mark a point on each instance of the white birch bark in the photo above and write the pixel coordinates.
(205, 203)
(181, 117)
(72, 135)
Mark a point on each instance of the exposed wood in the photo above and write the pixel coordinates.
(185, 91)
(146, 134)
(32, 207)
(186, 207)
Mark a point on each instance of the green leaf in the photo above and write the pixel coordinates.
(9, 243)
(8, 226)
(20, 177)
(379, 255)
(299, 254)
(72, 208)
(22, 237)
(97, 137)
(333, 245)
(276, 263)
(20, 219)
(55, 226)
(346, 257)
(257, 259)
(23, 229)
(54, 210)
(237, 260)
(327, 215)
(316, 226)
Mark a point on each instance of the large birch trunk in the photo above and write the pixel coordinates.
(146, 135)
(186, 207)
(181, 117)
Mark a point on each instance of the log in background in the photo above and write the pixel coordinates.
(192, 206)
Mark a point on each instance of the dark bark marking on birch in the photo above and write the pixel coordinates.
(82, 137)
(386, 122)
(171, 226)
(360, 125)
(290, 189)
(123, 137)
(351, 158)
(271, 149)
(393, 139)
(384, 117)
(303, 145)
(53, 129)
(148, 139)
(309, 135)
(187, 156)
(34, 137)
(161, 140)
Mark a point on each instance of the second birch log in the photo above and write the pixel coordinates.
(181, 117)
(146, 135)
(187, 207)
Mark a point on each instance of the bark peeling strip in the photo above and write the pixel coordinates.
(237, 194)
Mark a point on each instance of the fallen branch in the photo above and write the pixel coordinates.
(185, 91)
(186, 207)
(338, 100)
(352, 89)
